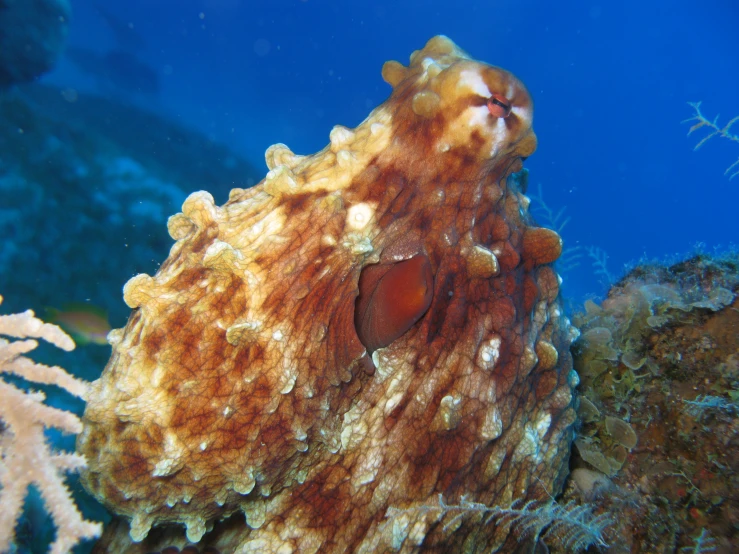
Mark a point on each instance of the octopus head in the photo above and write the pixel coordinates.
(466, 106)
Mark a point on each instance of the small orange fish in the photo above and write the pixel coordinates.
(87, 324)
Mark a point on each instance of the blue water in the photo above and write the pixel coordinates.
(610, 84)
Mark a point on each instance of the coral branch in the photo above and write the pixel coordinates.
(699, 121)
(25, 456)
(702, 543)
(600, 259)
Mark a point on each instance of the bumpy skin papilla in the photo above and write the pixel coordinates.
(240, 384)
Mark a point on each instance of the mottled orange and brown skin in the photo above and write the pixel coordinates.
(240, 385)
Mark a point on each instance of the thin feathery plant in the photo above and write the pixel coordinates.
(571, 526)
(556, 221)
(600, 263)
(702, 404)
(699, 121)
(701, 544)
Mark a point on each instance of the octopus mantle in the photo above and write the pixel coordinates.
(253, 397)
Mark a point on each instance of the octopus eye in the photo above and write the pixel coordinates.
(391, 299)
(499, 106)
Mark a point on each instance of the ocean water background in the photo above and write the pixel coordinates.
(610, 82)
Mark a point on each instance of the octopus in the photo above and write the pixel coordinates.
(334, 357)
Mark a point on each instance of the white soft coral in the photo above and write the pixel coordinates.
(25, 456)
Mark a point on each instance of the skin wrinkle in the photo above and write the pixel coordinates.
(240, 398)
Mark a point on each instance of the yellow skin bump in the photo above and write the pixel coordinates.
(239, 386)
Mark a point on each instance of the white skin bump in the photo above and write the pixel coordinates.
(359, 215)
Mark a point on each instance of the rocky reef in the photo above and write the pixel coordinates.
(659, 444)
(71, 165)
(32, 36)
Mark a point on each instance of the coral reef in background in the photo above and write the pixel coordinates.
(71, 166)
(32, 36)
(168, 149)
(369, 327)
(659, 446)
(26, 458)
